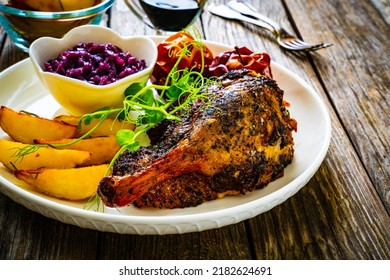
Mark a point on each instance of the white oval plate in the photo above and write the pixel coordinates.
(21, 89)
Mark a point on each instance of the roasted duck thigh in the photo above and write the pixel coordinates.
(240, 142)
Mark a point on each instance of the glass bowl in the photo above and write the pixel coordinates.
(25, 26)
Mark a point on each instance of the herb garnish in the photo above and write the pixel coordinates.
(146, 105)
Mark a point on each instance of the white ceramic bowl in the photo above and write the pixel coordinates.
(80, 97)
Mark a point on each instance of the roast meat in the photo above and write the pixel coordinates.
(241, 142)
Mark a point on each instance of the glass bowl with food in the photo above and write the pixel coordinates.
(26, 20)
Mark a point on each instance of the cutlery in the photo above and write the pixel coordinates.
(242, 11)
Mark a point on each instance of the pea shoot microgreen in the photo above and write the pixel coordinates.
(146, 105)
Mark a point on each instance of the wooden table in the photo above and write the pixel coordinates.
(343, 211)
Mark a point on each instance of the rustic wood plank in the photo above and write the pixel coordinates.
(26, 235)
(224, 243)
(338, 216)
(10, 54)
(126, 23)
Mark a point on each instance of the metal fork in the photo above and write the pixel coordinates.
(239, 10)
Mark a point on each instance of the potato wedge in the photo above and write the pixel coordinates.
(71, 184)
(25, 128)
(102, 149)
(44, 157)
(108, 127)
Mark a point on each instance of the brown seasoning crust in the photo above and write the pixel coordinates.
(240, 143)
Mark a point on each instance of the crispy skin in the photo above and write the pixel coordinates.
(242, 142)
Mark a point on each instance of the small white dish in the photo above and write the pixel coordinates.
(80, 97)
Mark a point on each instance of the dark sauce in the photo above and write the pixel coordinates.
(170, 15)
